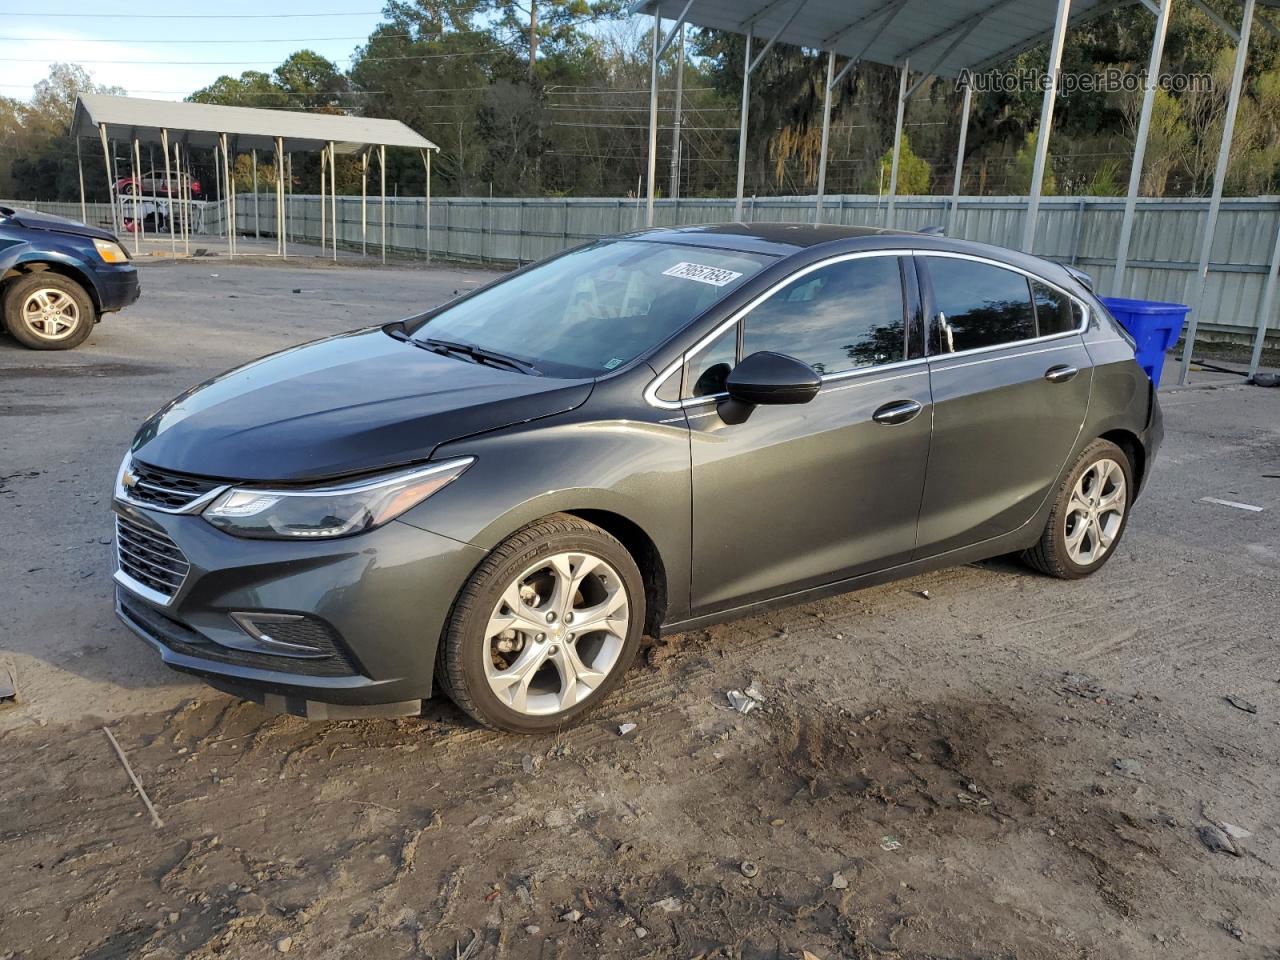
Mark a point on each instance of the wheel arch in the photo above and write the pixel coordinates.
(71, 271)
(1129, 442)
(646, 555)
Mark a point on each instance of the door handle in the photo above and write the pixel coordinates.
(1060, 374)
(900, 411)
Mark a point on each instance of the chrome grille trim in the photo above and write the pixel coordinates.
(159, 490)
(148, 562)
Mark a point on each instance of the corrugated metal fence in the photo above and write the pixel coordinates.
(1082, 231)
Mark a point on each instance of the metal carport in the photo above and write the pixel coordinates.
(949, 38)
(234, 130)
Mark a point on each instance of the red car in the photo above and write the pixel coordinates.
(154, 183)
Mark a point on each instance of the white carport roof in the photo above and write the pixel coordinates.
(201, 124)
(954, 33)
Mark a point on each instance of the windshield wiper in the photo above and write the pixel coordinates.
(479, 355)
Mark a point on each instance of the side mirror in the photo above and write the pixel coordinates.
(771, 378)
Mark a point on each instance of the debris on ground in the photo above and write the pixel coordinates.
(1217, 841)
(925, 594)
(973, 801)
(284, 944)
(669, 905)
(889, 844)
(155, 817)
(741, 702)
(625, 728)
(749, 869)
(1234, 832)
(839, 881)
(1240, 703)
(571, 916)
(8, 686)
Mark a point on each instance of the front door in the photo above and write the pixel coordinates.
(1010, 378)
(799, 496)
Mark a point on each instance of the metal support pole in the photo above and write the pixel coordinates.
(333, 197)
(257, 215)
(188, 189)
(1045, 130)
(324, 212)
(283, 167)
(111, 186)
(382, 171)
(227, 197)
(964, 135)
(826, 136)
(1140, 146)
(897, 142)
(1268, 295)
(1219, 180)
(217, 184)
(652, 160)
(168, 190)
(364, 201)
(426, 160)
(288, 198)
(742, 128)
(137, 194)
(677, 118)
(84, 214)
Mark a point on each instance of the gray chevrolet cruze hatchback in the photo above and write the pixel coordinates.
(499, 497)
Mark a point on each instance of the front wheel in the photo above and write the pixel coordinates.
(545, 627)
(47, 311)
(1089, 515)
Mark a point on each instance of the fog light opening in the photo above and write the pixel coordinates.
(277, 633)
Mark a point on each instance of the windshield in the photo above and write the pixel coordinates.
(592, 310)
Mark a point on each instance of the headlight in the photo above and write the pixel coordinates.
(339, 510)
(110, 252)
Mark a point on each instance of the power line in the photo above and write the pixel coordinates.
(248, 63)
(198, 16)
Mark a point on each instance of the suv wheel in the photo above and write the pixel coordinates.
(545, 627)
(1089, 515)
(47, 311)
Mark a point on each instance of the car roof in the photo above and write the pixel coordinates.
(784, 240)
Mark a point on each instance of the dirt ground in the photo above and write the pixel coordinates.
(979, 763)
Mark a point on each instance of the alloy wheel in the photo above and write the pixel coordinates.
(1095, 512)
(50, 313)
(556, 633)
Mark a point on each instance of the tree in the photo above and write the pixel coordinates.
(1023, 169)
(914, 173)
(38, 157)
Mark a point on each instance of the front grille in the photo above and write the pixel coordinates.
(180, 638)
(150, 557)
(168, 491)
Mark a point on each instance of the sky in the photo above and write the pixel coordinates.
(162, 50)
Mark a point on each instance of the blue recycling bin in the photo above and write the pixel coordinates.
(1155, 326)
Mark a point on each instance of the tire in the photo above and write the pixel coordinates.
(1088, 518)
(518, 678)
(33, 327)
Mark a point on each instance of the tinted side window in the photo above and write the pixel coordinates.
(707, 370)
(1055, 312)
(984, 305)
(839, 317)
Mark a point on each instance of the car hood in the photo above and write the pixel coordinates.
(47, 221)
(348, 404)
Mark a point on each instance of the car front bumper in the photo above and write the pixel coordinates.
(378, 600)
(118, 287)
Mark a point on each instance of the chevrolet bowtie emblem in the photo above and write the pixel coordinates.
(129, 480)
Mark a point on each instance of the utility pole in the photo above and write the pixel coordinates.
(533, 36)
(675, 138)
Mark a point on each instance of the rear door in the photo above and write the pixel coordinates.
(1010, 379)
(799, 496)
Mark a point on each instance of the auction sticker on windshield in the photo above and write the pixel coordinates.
(716, 276)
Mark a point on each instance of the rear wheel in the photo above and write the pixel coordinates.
(47, 311)
(545, 627)
(1089, 515)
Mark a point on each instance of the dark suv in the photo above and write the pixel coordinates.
(58, 277)
(642, 435)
